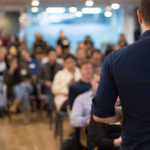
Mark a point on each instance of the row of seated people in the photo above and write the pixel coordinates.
(65, 81)
(20, 72)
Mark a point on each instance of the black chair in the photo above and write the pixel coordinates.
(59, 122)
(44, 98)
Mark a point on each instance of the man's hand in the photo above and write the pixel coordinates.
(88, 121)
(48, 83)
(117, 142)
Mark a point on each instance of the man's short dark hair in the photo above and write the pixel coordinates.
(145, 9)
(70, 56)
(85, 62)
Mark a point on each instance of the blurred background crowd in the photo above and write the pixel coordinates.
(53, 75)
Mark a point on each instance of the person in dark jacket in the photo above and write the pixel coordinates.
(40, 43)
(46, 73)
(18, 79)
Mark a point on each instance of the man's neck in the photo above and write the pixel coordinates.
(145, 28)
(85, 80)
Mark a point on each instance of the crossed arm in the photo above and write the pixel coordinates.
(113, 119)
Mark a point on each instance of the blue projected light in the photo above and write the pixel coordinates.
(92, 10)
(56, 10)
(102, 30)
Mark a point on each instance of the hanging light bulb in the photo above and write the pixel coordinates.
(108, 13)
(34, 9)
(35, 3)
(78, 14)
(73, 9)
(115, 6)
(89, 3)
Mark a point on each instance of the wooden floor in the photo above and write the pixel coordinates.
(34, 136)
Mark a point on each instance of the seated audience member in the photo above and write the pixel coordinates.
(122, 42)
(89, 46)
(80, 55)
(3, 65)
(13, 51)
(18, 79)
(59, 53)
(39, 42)
(32, 64)
(80, 117)
(96, 58)
(63, 42)
(63, 80)
(39, 55)
(47, 72)
(83, 84)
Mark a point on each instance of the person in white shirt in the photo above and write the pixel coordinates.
(63, 79)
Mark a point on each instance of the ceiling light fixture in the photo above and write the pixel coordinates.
(115, 6)
(108, 13)
(35, 3)
(78, 14)
(34, 9)
(89, 3)
(73, 9)
(93, 10)
(55, 10)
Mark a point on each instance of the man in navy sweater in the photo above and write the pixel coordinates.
(83, 84)
(126, 73)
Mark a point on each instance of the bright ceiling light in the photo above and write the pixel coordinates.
(73, 9)
(108, 13)
(78, 14)
(35, 3)
(89, 3)
(55, 10)
(34, 9)
(93, 10)
(115, 6)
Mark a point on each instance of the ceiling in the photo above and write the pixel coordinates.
(24, 4)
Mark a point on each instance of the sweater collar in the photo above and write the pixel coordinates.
(146, 35)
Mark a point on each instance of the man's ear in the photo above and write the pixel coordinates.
(139, 14)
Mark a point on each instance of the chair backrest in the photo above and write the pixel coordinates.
(3, 95)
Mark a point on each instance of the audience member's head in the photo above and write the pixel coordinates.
(13, 50)
(62, 35)
(81, 45)
(88, 42)
(25, 56)
(86, 69)
(59, 51)
(38, 53)
(52, 57)
(80, 55)
(70, 62)
(96, 58)
(38, 36)
(143, 14)
(3, 52)
(95, 79)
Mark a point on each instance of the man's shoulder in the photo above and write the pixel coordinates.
(59, 66)
(127, 49)
(122, 53)
(75, 84)
(84, 96)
